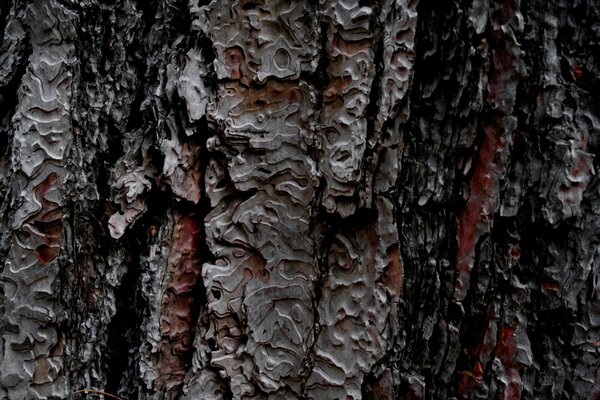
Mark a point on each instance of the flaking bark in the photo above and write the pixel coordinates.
(299, 200)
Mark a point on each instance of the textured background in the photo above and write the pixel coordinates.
(334, 199)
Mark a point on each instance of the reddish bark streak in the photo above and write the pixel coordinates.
(550, 285)
(47, 221)
(393, 275)
(234, 56)
(479, 208)
(503, 349)
(467, 380)
(45, 253)
(515, 253)
(481, 204)
(184, 266)
(578, 72)
(506, 352)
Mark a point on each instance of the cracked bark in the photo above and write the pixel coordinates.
(299, 200)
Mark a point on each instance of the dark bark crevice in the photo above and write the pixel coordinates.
(121, 330)
(124, 334)
(9, 103)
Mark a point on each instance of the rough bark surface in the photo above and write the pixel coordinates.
(333, 199)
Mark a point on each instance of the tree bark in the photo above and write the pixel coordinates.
(333, 199)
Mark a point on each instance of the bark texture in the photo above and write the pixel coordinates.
(333, 199)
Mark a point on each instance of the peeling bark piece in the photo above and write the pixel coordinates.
(280, 321)
(133, 184)
(351, 71)
(256, 40)
(565, 189)
(181, 168)
(241, 276)
(224, 281)
(400, 23)
(206, 386)
(354, 307)
(269, 131)
(191, 85)
(130, 186)
(29, 367)
(261, 242)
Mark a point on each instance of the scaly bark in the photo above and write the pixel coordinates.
(334, 199)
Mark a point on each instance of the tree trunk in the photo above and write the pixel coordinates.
(334, 199)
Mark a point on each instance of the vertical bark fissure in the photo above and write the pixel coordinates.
(10, 104)
(319, 228)
(121, 331)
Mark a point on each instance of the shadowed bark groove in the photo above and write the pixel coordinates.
(330, 199)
